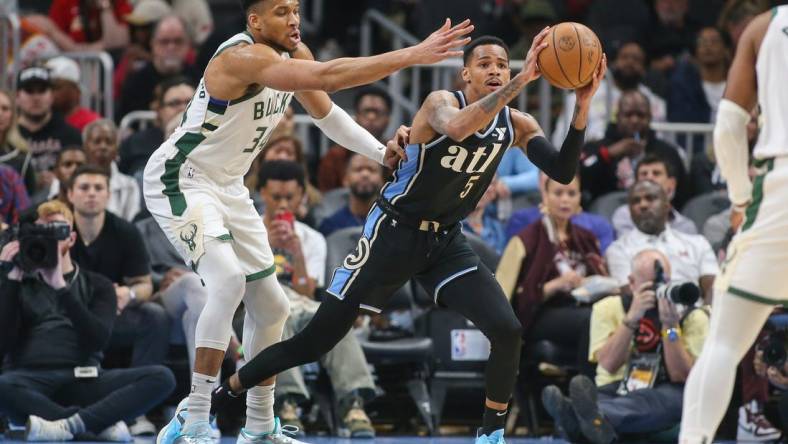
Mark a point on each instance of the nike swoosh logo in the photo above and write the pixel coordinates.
(502, 413)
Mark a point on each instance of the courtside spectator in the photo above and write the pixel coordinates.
(45, 131)
(67, 92)
(644, 348)
(690, 254)
(14, 151)
(170, 47)
(364, 179)
(101, 148)
(372, 106)
(55, 324)
(543, 263)
(609, 164)
(659, 171)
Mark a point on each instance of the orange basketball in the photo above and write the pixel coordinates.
(572, 54)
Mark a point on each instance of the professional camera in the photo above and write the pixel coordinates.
(37, 244)
(686, 293)
(773, 347)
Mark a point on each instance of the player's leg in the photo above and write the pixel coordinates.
(477, 296)
(735, 323)
(267, 308)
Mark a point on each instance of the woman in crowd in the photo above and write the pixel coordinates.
(543, 263)
(13, 148)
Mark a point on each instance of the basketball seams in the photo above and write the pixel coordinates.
(580, 53)
(558, 60)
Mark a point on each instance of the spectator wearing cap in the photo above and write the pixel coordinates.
(45, 131)
(67, 93)
(170, 49)
(78, 25)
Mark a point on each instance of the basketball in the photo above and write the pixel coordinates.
(572, 55)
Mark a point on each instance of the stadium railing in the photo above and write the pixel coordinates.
(686, 136)
(9, 45)
(96, 69)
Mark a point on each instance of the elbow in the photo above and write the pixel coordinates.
(330, 85)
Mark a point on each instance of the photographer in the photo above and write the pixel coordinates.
(645, 347)
(770, 362)
(55, 320)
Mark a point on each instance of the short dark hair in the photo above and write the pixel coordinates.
(479, 41)
(283, 170)
(651, 159)
(65, 150)
(85, 169)
(372, 91)
(167, 84)
(246, 4)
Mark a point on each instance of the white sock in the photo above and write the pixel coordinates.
(260, 409)
(200, 398)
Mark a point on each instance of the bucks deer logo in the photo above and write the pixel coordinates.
(188, 236)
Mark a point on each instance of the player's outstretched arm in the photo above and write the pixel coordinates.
(560, 166)
(444, 117)
(262, 65)
(730, 131)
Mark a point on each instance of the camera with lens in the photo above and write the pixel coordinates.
(773, 346)
(37, 244)
(686, 293)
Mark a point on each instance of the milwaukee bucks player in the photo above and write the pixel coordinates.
(413, 230)
(753, 278)
(193, 186)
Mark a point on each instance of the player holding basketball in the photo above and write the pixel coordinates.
(413, 230)
(193, 186)
(753, 278)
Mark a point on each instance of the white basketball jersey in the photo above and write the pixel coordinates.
(222, 137)
(772, 72)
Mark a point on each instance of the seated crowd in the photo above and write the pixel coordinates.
(87, 343)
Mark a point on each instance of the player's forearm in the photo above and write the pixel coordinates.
(580, 116)
(730, 149)
(467, 120)
(348, 72)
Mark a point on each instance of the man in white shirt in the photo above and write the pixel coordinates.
(658, 170)
(691, 255)
(626, 74)
(300, 259)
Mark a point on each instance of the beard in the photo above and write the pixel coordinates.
(626, 80)
(364, 191)
(36, 118)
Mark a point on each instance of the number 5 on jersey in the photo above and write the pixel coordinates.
(257, 141)
(471, 180)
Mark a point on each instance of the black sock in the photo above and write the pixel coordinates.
(493, 420)
(221, 396)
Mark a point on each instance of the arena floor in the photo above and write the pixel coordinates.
(387, 440)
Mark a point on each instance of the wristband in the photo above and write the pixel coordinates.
(132, 294)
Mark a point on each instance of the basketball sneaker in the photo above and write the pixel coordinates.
(39, 429)
(277, 436)
(753, 425)
(495, 437)
(202, 432)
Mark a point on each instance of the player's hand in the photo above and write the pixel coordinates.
(531, 68)
(7, 254)
(585, 93)
(395, 148)
(438, 46)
